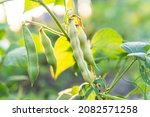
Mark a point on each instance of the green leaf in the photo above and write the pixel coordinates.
(16, 57)
(140, 55)
(59, 2)
(148, 61)
(69, 3)
(87, 92)
(64, 57)
(134, 47)
(2, 33)
(144, 74)
(101, 82)
(2, 30)
(75, 90)
(30, 4)
(107, 42)
(3, 90)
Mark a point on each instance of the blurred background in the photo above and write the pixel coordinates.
(130, 18)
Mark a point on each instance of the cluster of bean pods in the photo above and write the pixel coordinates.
(77, 51)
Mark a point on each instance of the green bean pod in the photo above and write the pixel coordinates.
(48, 49)
(78, 54)
(33, 66)
(85, 46)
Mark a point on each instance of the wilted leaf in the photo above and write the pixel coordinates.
(107, 42)
(16, 57)
(63, 56)
(134, 47)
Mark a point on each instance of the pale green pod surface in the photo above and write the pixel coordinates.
(48, 49)
(78, 54)
(33, 66)
(86, 47)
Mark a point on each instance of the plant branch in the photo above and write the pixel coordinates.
(53, 16)
(111, 97)
(46, 27)
(118, 77)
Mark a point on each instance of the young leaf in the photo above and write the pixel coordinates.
(16, 57)
(108, 42)
(64, 57)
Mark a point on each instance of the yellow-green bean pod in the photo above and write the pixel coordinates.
(48, 49)
(85, 46)
(78, 54)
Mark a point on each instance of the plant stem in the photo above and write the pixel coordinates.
(118, 77)
(54, 18)
(65, 5)
(111, 97)
(46, 27)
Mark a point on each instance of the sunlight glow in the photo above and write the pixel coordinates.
(84, 8)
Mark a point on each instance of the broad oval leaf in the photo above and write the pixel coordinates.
(107, 42)
(64, 57)
(134, 47)
(16, 57)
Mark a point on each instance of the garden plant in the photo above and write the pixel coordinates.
(87, 56)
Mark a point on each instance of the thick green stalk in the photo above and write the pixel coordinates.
(118, 78)
(46, 28)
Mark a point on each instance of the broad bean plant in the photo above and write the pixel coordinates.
(87, 55)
